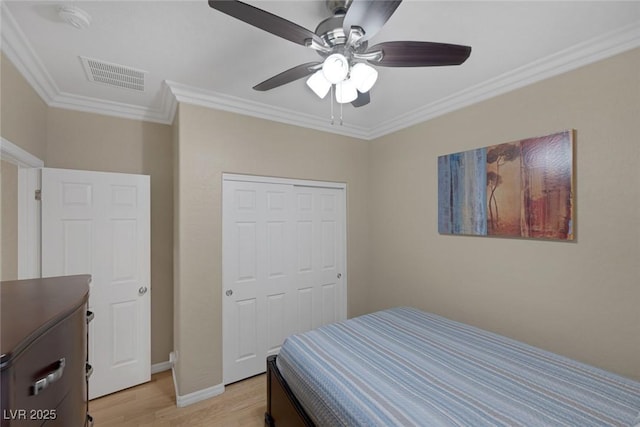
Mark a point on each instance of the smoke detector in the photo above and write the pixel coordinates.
(75, 16)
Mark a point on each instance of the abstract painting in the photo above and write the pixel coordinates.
(516, 189)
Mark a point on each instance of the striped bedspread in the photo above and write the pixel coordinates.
(405, 367)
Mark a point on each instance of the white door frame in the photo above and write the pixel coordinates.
(277, 180)
(306, 183)
(28, 207)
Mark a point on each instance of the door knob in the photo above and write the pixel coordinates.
(229, 292)
(143, 290)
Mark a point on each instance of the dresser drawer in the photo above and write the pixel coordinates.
(57, 358)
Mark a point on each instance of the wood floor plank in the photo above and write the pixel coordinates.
(154, 404)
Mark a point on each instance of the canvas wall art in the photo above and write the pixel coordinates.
(517, 189)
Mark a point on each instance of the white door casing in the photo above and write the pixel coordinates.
(283, 266)
(28, 207)
(99, 223)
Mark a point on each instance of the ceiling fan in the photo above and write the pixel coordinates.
(342, 42)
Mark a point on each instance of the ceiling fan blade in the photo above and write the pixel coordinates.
(362, 99)
(369, 15)
(266, 21)
(419, 54)
(289, 76)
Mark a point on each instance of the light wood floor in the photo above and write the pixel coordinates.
(154, 404)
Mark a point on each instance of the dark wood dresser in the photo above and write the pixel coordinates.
(43, 360)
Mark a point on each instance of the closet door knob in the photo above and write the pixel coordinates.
(229, 292)
(143, 290)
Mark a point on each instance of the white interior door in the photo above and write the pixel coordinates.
(283, 264)
(98, 223)
(256, 274)
(319, 256)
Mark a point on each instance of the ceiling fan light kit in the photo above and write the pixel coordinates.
(335, 68)
(342, 41)
(319, 84)
(364, 76)
(346, 92)
(348, 80)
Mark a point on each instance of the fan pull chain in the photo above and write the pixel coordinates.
(341, 109)
(331, 100)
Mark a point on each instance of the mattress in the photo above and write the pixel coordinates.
(404, 367)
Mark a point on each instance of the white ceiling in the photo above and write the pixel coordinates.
(194, 54)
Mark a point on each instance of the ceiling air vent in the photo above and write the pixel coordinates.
(113, 74)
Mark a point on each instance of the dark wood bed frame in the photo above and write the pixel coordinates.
(283, 408)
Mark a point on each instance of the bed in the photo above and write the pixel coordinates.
(406, 367)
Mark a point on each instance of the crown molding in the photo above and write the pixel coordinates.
(579, 55)
(219, 101)
(18, 50)
(16, 47)
(163, 115)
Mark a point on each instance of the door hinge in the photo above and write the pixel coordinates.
(38, 194)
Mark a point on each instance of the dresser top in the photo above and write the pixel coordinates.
(30, 307)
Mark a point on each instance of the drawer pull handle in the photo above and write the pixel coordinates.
(89, 370)
(90, 315)
(53, 376)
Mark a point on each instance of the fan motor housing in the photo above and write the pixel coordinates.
(330, 30)
(338, 6)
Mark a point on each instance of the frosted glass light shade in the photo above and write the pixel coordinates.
(319, 84)
(346, 92)
(363, 76)
(335, 68)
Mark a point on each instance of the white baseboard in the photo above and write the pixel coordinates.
(197, 396)
(160, 367)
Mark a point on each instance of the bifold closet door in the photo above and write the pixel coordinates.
(319, 255)
(283, 254)
(257, 268)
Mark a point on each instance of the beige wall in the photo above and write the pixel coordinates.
(211, 142)
(9, 220)
(23, 114)
(96, 142)
(579, 299)
(23, 118)
(74, 140)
